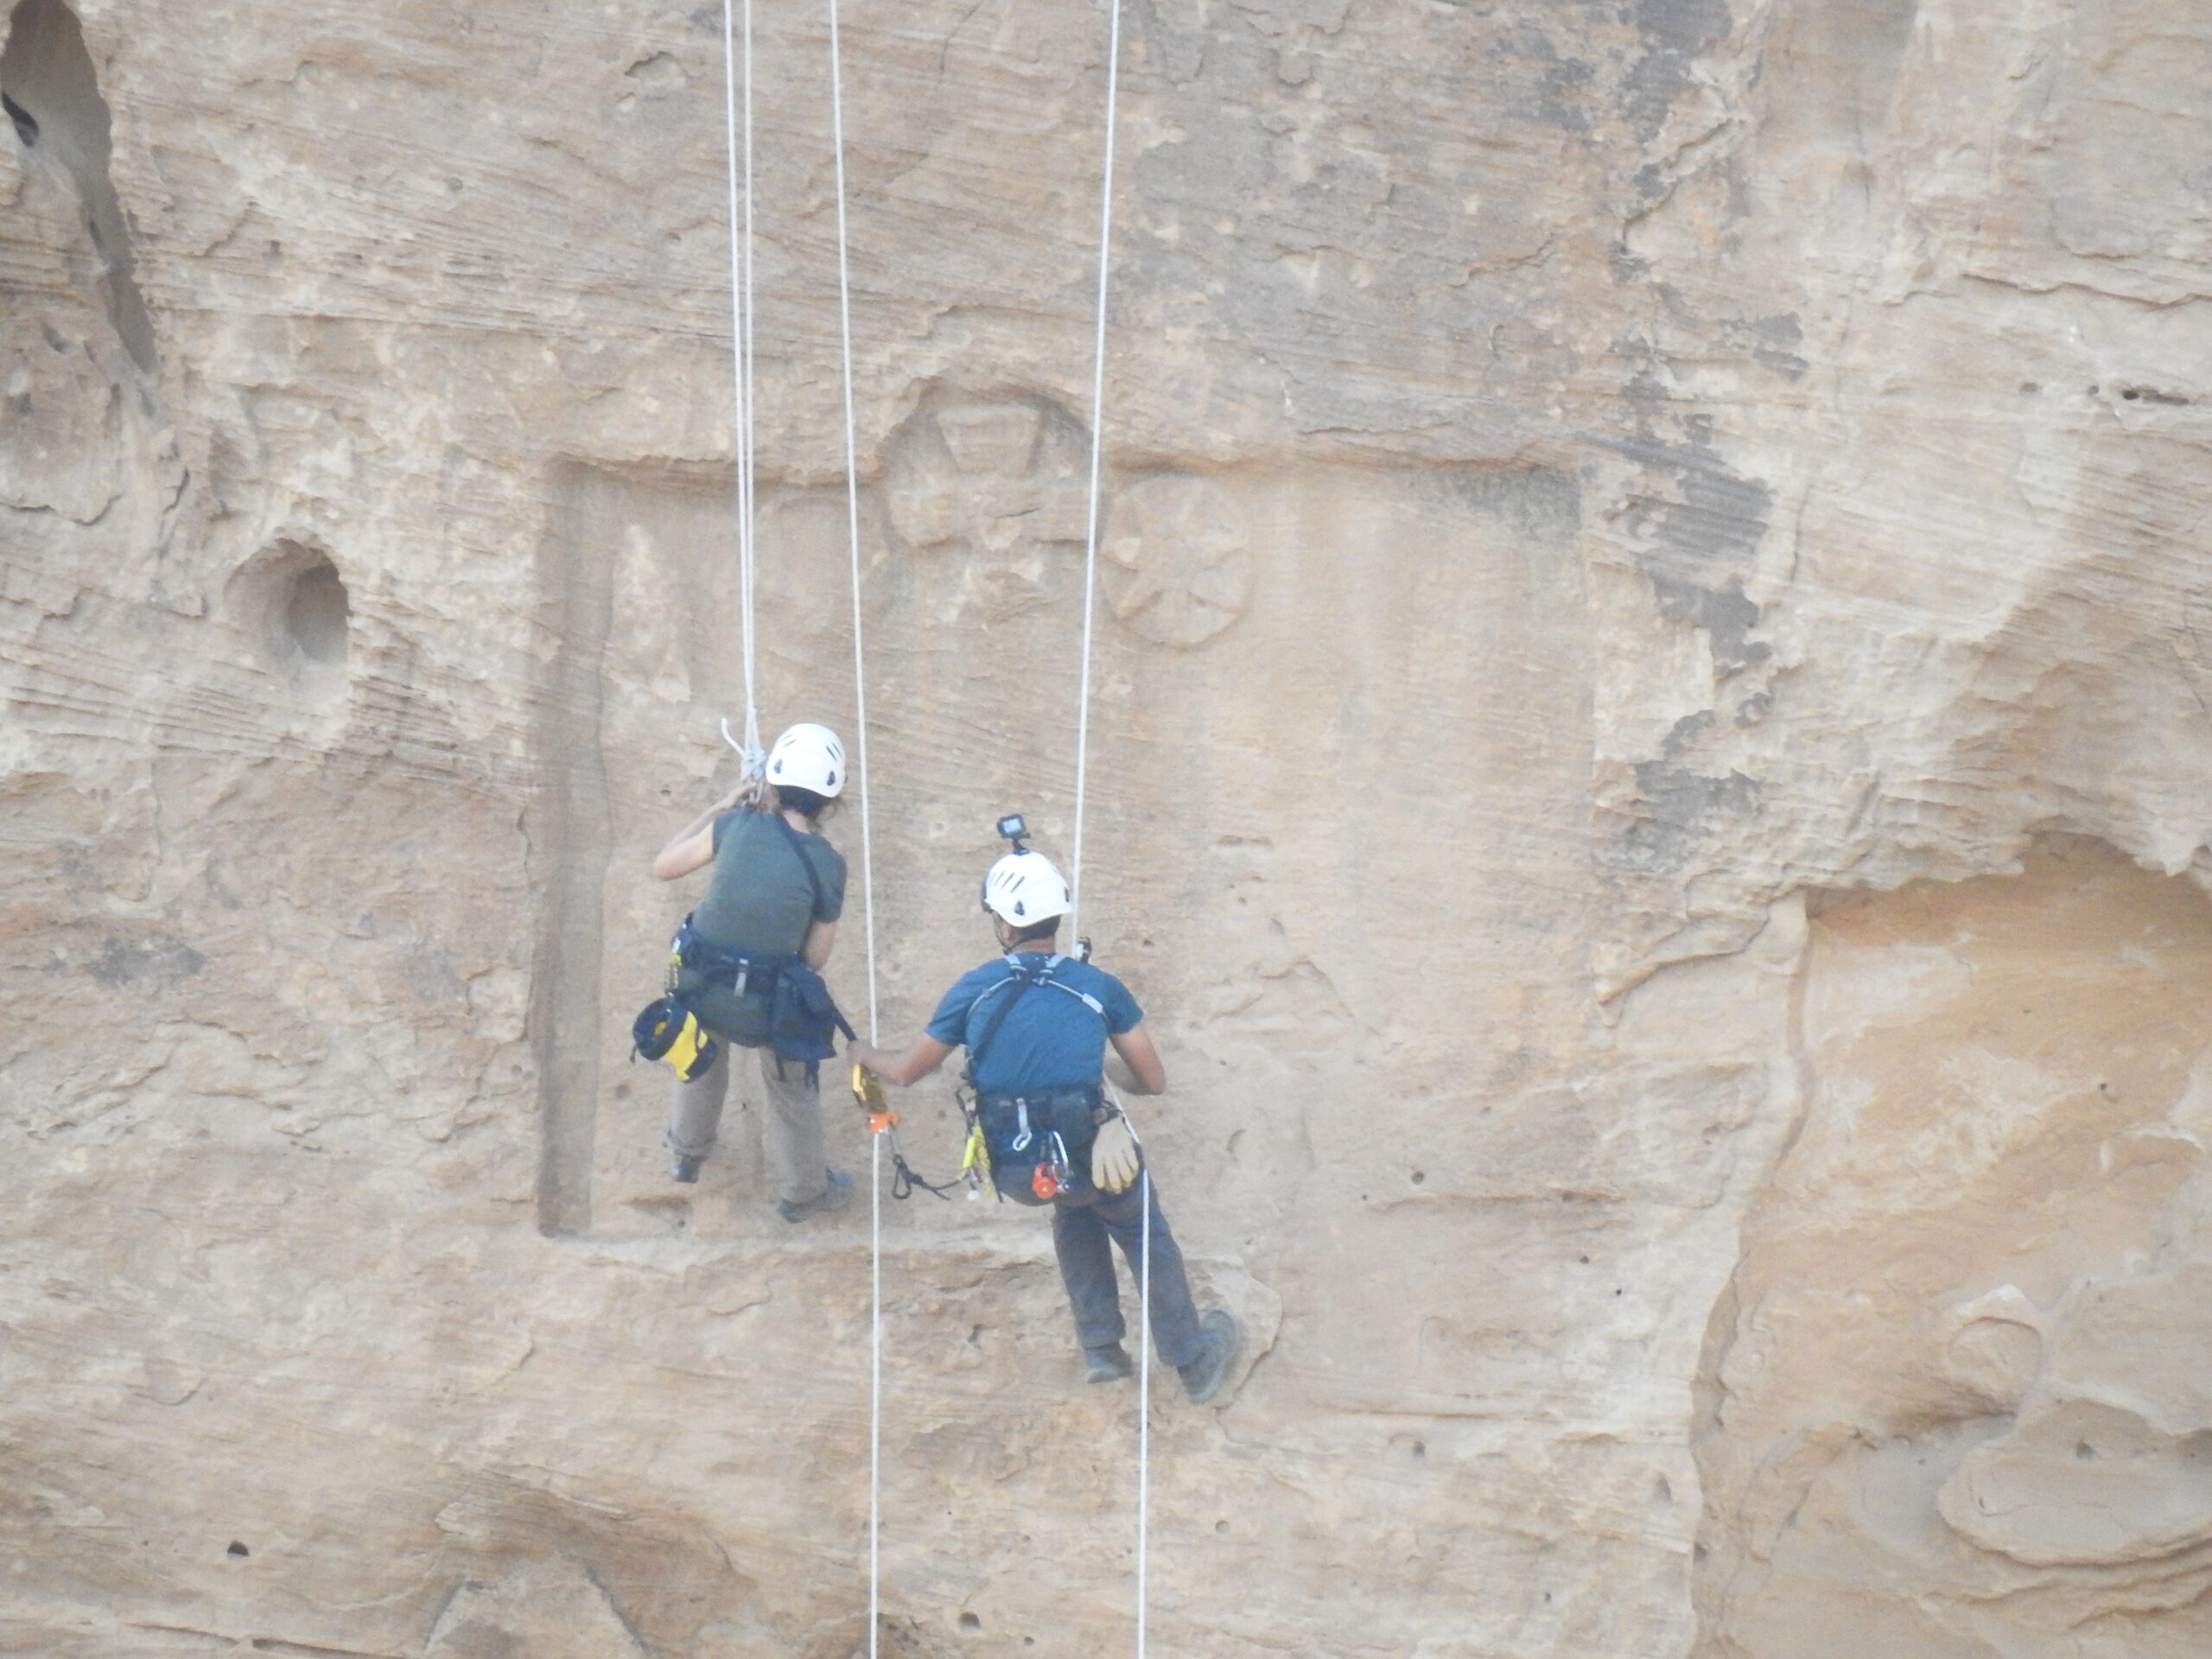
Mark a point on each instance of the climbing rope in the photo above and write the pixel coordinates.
(1082, 767)
(741, 321)
(742, 317)
(1097, 445)
(1144, 1389)
(868, 859)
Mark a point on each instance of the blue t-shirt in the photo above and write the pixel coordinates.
(1052, 1039)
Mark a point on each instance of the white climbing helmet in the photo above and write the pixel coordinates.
(1024, 889)
(809, 757)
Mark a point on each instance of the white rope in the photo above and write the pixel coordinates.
(1097, 442)
(1081, 768)
(755, 757)
(1144, 1392)
(868, 858)
(852, 515)
(874, 1379)
(740, 306)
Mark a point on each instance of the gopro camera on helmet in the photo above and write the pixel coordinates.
(1014, 829)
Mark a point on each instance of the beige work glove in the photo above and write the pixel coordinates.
(1113, 1160)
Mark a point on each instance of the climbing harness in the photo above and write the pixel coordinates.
(756, 1000)
(1051, 1131)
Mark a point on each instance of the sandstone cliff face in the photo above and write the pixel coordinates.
(1649, 763)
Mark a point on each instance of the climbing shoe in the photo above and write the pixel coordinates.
(685, 1170)
(1202, 1376)
(1108, 1363)
(835, 1197)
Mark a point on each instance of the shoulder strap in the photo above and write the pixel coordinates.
(1021, 980)
(798, 851)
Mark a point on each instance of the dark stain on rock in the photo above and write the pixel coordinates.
(1679, 807)
(1541, 503)
(1771, 339)
(1700, 545)
(1676, 33)
(160, 958)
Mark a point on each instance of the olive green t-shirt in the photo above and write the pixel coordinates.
(758, 901)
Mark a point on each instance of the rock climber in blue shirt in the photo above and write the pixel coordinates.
(1036, 1025)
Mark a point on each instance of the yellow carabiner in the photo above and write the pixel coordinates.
(975, 1156)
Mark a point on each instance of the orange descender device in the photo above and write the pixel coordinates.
(868, 1094)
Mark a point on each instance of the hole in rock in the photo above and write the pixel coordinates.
(1420, 1448)
(291, 599)
(316, 611)
(2084, 1452)
(52, 96)
(1221, 1529)
(238, 1549)
(1418, 1178)
(969, 1622)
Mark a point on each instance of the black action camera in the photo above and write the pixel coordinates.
(1013, 828)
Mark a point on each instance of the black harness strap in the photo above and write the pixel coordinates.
(1022, 981)
(798, 851)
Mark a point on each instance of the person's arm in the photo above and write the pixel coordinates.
(1134, 1046)
(821, 939)
(692, 848)
(910, 1064)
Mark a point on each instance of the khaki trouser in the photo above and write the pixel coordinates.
(791, 1129)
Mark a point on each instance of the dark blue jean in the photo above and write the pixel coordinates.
(1082, 1224)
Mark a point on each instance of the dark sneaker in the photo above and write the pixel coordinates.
(835, 1197)
(685, 1170)
(1108, 1363)
(1202, 1376)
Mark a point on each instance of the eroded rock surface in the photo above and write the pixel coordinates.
(1957, 1384)
(1649, 762)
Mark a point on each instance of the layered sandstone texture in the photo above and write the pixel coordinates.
(1649, 759)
